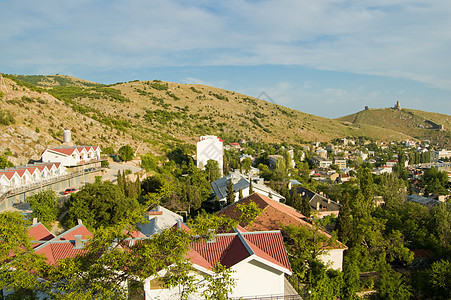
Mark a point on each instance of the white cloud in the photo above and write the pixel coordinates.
(400, 39)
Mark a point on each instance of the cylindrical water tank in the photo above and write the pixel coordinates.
(66, 136)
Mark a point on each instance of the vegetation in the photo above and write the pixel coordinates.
(126, 153)
(4, 163)
(132, 263)
(99, 204)
(6, 118)
(45, 207)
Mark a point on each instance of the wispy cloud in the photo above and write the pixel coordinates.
(407, 39)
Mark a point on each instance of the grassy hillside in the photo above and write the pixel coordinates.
(152, 116)
(415, 123)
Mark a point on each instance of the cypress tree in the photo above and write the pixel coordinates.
(240, 194)
(230, 192)
(344, 226)
(251, 188)
(306, 209)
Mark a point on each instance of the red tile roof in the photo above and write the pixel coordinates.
(61, 246)
(232, 248)
(274, 214)
(39, 232)
(65, 151)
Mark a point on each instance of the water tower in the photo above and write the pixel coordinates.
(67, 137)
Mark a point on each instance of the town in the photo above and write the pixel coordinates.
(353, 218)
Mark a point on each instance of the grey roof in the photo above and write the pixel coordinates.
(220, 186)
(325, 204)
(159, 223)
(422, 200)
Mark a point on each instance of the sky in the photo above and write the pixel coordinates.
(329, 58)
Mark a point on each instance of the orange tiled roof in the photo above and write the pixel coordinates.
(274, 214)
(232, 248)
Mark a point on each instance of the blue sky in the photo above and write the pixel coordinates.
(327, 57)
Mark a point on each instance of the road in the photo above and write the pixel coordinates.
(111, 173)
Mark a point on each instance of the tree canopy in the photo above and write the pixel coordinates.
(99, 204)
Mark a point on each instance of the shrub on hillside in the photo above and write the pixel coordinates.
(6, 118)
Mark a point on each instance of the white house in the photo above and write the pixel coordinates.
(159, 219)
(210, 147)
(258, 261)
(242, 182)
(71, 156)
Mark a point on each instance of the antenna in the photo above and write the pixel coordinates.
(3, 87)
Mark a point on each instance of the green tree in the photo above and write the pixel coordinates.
(99, 204)
(248, 213)
(344, 225)
(45, 207)
(149, 162)
(246, 165)
(108, 150)
(4, 163)
(439, 280)
(392, 285)
(212, 170)
(20, 268)
(306, 209)
(219, 285)
(230, 192)
(126, 153)
(251, 187)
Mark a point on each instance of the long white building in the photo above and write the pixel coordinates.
(210, 147)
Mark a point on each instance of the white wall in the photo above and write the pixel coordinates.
(335, 257)
(210, 148)
(252, 278)
(256, 279)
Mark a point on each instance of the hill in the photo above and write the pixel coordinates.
(418, 124)
(151, 116)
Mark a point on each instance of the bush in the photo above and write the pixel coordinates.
(104, 164)
(6, 118)
(108, 150)
(126, 153)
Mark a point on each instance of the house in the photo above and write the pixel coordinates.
(391, 163)
(382, 170)
(343, 178)
(321, 152)
(242, 182)
(71, 156)
(210, 147)
(258, 261)
(273, 215)
(428, 202)
(321, 161)
(235, 145)
(440, 154)
(321, 206)
(68, 244)
(340, 162)
(29, 175)
(159, 219)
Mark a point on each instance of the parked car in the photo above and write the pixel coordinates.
(69, 190)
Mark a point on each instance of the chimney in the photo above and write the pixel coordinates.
(35, 221)
(328, 200)
(78, 242)
(80, 222)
